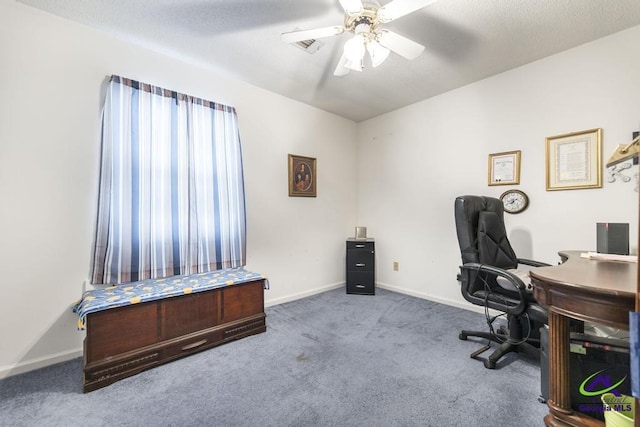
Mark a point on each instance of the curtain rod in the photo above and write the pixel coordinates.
(156, 90)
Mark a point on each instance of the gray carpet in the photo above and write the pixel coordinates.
(328, 360)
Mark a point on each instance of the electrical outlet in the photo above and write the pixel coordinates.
(395, 265)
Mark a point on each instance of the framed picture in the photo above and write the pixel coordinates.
(504, 168)
(302, 176)
(574, 160)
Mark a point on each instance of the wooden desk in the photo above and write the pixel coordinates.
(601, 292)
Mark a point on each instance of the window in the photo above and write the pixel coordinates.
(171, 196)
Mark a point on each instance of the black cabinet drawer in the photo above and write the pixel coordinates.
(361, 267)
(355, 244)
(360, 260)
(361, 283)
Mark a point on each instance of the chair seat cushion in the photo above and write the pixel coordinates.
(522, 273)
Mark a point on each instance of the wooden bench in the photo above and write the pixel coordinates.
(130, 337)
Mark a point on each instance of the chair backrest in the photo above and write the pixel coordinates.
(482, 236)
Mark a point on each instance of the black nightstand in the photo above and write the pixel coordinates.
(361, 267)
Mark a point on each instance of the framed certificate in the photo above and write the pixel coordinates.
(574, 160)
(504, 168)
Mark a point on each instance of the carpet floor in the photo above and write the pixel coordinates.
(327, 360)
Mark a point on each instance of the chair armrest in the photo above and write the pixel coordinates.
(532, 263)
(519, 288)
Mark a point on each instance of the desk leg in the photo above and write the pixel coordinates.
(560, 412)
(559, 393)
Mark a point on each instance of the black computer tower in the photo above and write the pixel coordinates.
(612, 238)
(596, 365)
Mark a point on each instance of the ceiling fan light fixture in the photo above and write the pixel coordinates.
(341, 68)
(377, 52)
(363, 18)
(355, 65)
(354, 48)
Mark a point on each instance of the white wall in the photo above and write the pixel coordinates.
(52, 76)
(414, 161)
(412, 164)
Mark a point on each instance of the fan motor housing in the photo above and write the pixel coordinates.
(367, 16)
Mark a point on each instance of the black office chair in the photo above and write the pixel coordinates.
(491, 276)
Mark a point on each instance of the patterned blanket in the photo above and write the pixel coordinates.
(154, 289)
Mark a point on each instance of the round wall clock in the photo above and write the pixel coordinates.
(514, 201)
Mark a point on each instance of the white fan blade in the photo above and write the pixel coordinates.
(318, 33)
(351, 6)
(342, 69)
(399, 8)
(400, 44)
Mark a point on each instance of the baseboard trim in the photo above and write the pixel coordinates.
(463, 305)
(289, 298)
(40, 362)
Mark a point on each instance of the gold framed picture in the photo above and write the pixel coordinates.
(302, 176)
(574, 160)
(504, 168)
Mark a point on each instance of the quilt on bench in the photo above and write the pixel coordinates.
(154, 289)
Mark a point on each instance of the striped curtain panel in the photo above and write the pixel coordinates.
(171, 197)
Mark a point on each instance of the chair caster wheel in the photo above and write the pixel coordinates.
(489, 364)
(542, 399)
(462, 336)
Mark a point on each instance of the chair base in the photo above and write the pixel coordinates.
(507, 345)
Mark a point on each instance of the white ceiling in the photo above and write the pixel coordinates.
(466, 40)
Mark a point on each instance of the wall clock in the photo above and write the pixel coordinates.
(514, 201)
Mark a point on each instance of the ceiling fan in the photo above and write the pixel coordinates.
(364, 19)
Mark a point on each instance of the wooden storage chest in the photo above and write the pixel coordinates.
(123, 341)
